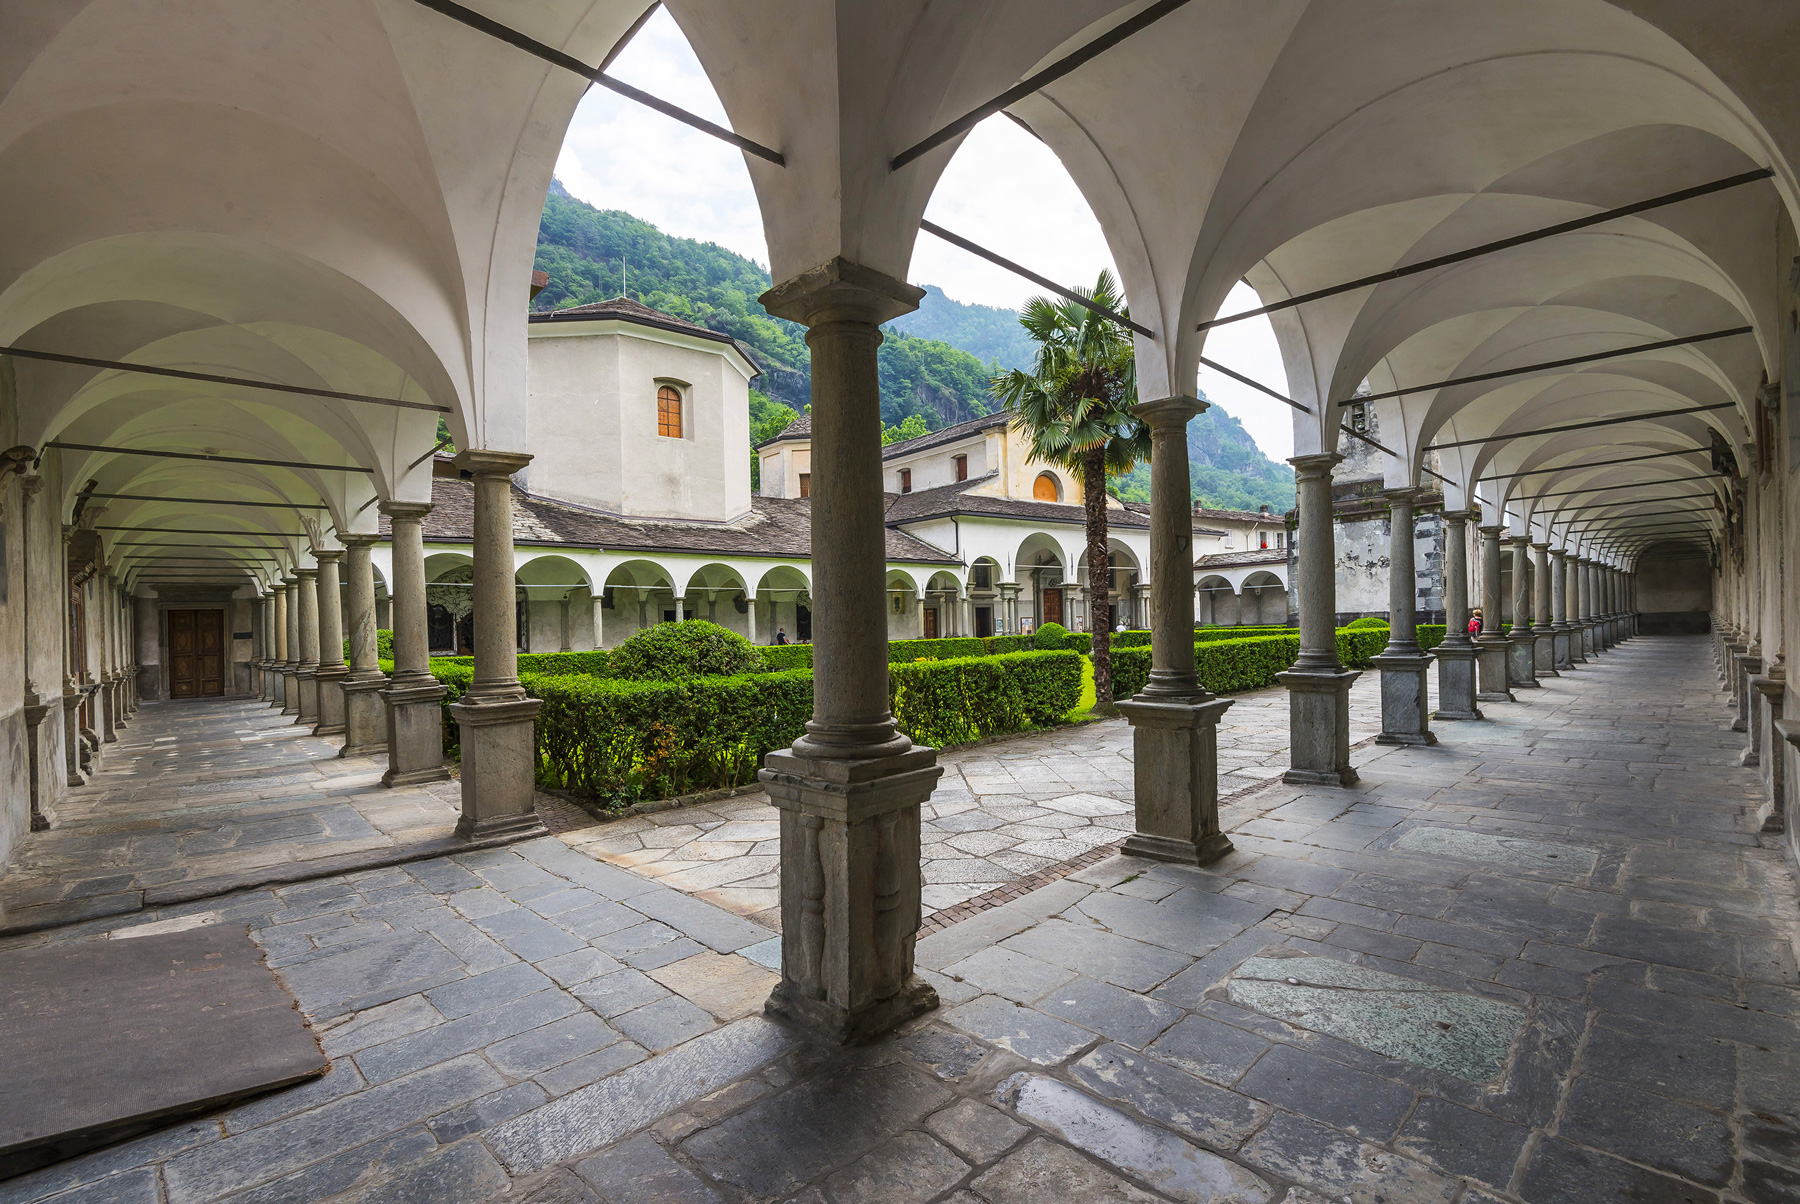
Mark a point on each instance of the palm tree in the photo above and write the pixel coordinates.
(1075, 407)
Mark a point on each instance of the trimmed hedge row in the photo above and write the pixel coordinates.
(1251, 663)
(955, 701)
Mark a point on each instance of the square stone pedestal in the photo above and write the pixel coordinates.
(1405, 717)
(1494, 681)
(331, 701)
(1521, 662)
(1456, 682)
(499, 767)
(365, 720)
(103, 707)
(1746, 664)
(1772, 690)
(1543, 652)
(415, 732)
(309, 696)
(1319, 727)
(290, 690)
(850, 882)
(1560, 641)
(1175, 778)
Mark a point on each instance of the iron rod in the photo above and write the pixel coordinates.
(1509, 476)
(174, 455)
(1538, 497)
(1517, 240)
(958, 240)
(555, 57)
(1038, 81)
(1550, 364)
(208, 501)
(1640, 501)
(435, 449)
(212, 378)
(202, 531)
(1583, 426)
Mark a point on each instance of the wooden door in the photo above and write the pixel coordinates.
(196, 653)
(929, 614)
(1052, 605)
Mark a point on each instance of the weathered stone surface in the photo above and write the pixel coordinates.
(974, 1130)
(1562, 1171)
(513, 981)
(640, 1171)
(1123, 1015)
(1043, 1171)
(725, 985)
(448, 1040)
(1009, 974)
(617, 993)
(1214, 1051)
(1125, 962)
(785, 1140)
(1206, 1113)
(1517, 852)
(911, 1169)
(1331, 1162)
(597, 1115)
(1344, 1098)
(1658, 1132)
(1464, 1035)
(1462, 1141)
(1157, 1157)
(1030, 1034)
(663, 1024)
(947, 1055)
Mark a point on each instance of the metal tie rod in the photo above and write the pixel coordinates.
(210, 378)
(207, 501)
(555, 57)
(958, 240)
(216, 459)
(1611, 504)
(1538, 497)
(1517, 240)
(1547, 365)
(1599, 519)
(1047, 76)
(1582, 426)
(1509, 476)
(204, 531)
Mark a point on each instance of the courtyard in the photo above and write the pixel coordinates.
(1548, 959)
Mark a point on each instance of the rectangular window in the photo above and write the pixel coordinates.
(806, 484)
(668, 411)
(1265, 539)
(962, 468)
(981, 576)
(906, 480)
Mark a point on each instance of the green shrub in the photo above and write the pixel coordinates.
(1356, 645)
(556, 664)
(1208, 634)
(1131, 639)
(384, 644)
(902, 651)
(688, 649)
(1430, 635)
(780, 657)
(955, 701)
(1050, 637)
(1223, 666)
(1367, 622)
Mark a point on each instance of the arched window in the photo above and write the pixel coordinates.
(1045, 488)
(668, 411)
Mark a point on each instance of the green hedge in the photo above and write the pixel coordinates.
(955, 701)
(1223, 666)
(787, 656)
(561, 664)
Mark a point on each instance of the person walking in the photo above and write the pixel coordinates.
(1475, 622)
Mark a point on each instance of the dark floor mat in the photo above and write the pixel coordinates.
(108, 1039)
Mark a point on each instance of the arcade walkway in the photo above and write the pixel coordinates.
(1548, 960)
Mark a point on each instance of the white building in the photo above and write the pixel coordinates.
(650, 516)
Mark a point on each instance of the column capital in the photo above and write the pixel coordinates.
(1402, 493)
(1494, 529)
(1317, 464)
(1559, 553)
(1457, 516)
(1542, 545)
(480, 463)
(405, 511)
(1170, 413)
(846, 287)
(1523, 541)
(358, 541)
(304, 574)
(329, 556)
(290, 581)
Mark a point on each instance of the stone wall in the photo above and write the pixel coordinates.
(1674, 591)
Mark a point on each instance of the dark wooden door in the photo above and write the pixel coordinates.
(1052, 605)
(930, 616)
(196, 653)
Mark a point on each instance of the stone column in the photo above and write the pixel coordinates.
(496, 717)
(107, 700)
(1543, 629)
(1318, 685)
(1405, 705)
(290, 664)
(1590, 643)
(849, 790)
(1491, 646)
(415, 716)
(308, 672)
(1771, 687)
(38, 701)
(1456, 654)
(71, 691)
(265, 637)
(365, 727)
(332, 670)
(597, 608)
(1559, 611)
(1572, 603)
(1522, 656)
(1175, 720)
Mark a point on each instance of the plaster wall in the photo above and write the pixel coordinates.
(1674, 592)
(1362, 548)
(602, 379)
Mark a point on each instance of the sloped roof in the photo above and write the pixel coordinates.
(799, 428)
(1238, 516)
(774, 527)
(953, 500)
(949, 434)
(1225, 560)
(624, 309)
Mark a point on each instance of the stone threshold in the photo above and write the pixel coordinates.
(46, 916)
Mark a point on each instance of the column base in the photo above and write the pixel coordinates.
(1560, 642)
(1543, 652)
(1491, 653)
(1456, 682)
(309, 697)
(290, 691)
(1521, 662)
(365, 727)
(850, 906)
(1175, 747)
(331, 700)
(1319, 726)
(499, 766)
(415, 731)
(1404, 719)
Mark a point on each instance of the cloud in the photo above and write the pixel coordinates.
(1004, 189)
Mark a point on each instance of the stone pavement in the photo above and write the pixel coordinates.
(198, 796)
(1001, 813)
(1550, 960)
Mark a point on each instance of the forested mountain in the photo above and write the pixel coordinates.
(935, 363)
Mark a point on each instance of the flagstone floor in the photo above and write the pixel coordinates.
(1001, 813)
(1550, 960)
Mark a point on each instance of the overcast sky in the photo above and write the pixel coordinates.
(1004, 190)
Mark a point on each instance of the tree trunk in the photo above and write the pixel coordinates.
(1093, 496)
